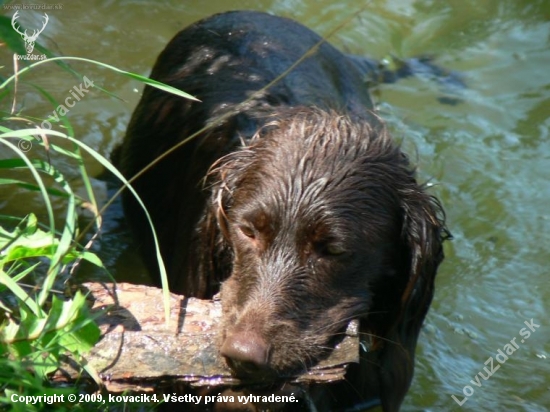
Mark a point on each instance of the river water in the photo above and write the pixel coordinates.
(488, 157)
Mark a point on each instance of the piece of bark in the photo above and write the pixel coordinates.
(137, 349)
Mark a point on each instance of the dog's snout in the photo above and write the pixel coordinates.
(247, 354)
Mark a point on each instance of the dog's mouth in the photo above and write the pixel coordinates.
(252, 359)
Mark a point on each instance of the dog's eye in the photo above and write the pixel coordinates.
(248, 231)
(334, 250)
(330, 249)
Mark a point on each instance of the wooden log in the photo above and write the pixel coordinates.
(137, 350)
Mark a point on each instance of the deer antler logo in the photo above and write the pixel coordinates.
(29, 40)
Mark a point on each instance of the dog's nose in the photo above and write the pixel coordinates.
(247, 354)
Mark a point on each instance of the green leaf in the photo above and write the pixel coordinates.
(21, 295)
(92, 258)
(67, 325)
(57, 319)
(21, 275)
(81, 339)
(21, 349)
(45, 362)
(63, 312)
(32, 243)
(11, 37)
(36, 176)
(78, 333)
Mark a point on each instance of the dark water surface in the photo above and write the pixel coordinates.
(488, 158)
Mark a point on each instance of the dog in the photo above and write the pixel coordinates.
(290, 198)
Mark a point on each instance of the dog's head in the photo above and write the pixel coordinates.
(325, 223)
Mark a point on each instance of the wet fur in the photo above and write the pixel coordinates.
(299, 205)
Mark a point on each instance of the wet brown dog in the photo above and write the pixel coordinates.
(297, 203)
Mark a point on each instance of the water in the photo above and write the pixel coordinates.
(488, 158)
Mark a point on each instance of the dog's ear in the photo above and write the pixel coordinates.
(423, 233)
(213, 255)
(223, 178)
